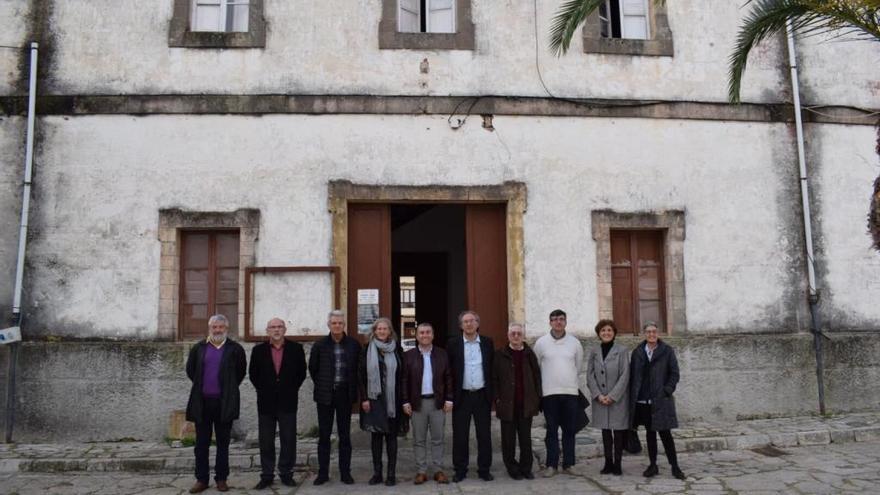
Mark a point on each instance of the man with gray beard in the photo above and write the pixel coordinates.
(216, 366)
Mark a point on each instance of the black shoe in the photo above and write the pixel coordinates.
(390, 481)
(651, 471)
(528, 475)
(486, 476)
(375, 480)
(678, 474)
(459, 477)
(320, 480)
(347, 479)
(516, 476)
(288, 481)
(608, 468)
(263, 484)
(617, 470)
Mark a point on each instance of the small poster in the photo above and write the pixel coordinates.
(367, 309)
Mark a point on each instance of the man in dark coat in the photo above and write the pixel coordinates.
(470, 357)
(216, 366)
(277, 369)
(653, 378)
(333, 364)
(516, 380)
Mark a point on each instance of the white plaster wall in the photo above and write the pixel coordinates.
(11, 178)
(844, 70)
(845, 165)
(103, 179)
(12, 33)
(121, 46)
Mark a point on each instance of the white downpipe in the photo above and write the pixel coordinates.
(28, 174)
(802, 163)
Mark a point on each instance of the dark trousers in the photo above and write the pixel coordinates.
(222, 431)
(471, 405)
(612, 443)
(519, 429)
(287, 435)
(560, 411)
(390, 440)
(341, 408)
(643, 417)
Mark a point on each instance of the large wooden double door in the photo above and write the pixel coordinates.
(370, 264)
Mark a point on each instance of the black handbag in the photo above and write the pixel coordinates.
(633, 445)
(581, 420)
(375, 421)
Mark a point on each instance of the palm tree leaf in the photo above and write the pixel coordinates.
(570, 15)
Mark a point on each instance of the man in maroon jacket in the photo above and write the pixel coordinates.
(427, 397)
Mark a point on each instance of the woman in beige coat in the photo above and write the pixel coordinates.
(608, 381)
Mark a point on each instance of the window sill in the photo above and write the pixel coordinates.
(204, 39)
(394, 40)
(616, 46)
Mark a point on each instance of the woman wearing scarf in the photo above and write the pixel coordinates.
(608, 381)
(380, 373)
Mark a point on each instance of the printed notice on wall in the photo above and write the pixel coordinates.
(367, 308)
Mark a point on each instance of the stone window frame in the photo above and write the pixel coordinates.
(181, 36)
(391, 39)
(660, 44)
(171, 223)
(672, 223)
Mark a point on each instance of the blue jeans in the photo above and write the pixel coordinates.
(560, 411)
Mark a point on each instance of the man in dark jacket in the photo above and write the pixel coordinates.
(516, 380)
(653, 377)
(333, 364)
(216, 366)
(470, 357)
(277, 369)
(427, 397)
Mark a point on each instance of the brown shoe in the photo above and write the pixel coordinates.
(222, 486)
(199, 487)
(440, 477)
(420, 478)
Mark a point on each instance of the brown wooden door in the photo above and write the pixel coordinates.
(486, 241)
(208, 280)
(369, 257)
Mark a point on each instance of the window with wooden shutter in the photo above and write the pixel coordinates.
(209, 272)
(637, 285)
(426, 16)
(626, 19)
(223, 16)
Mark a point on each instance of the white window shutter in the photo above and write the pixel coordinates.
(634, 19)
(441, 16)
(207, 15)
(408, 16)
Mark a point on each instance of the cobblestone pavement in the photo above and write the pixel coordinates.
(835, 468)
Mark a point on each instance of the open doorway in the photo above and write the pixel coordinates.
(428, 268)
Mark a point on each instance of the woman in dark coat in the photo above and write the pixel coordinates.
(608, 381)
(653, 378)
(380, 373)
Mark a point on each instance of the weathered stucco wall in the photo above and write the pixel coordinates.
(13, 30)
(311, 49)
(102, 180)
(11, 177)
(63, 397)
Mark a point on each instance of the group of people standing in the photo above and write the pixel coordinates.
(396, 391)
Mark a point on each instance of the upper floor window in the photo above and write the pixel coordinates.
(624, 19)
(628, 27)
(225, 16)
(426, 16)
(426, 25)
(217, 24)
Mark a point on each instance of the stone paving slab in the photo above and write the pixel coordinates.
(850, 467)
(159, 457)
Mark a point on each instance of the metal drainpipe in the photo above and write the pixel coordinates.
(22, 240)
(813, 296)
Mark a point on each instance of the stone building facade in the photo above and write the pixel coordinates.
(329, 140)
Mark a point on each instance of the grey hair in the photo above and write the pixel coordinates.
(468, 312)
(516, 324)
(336, 312)
(650, 323)
(218, 318)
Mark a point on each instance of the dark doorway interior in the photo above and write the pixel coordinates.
(428, 267)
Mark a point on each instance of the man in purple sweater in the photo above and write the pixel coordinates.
(216, 366)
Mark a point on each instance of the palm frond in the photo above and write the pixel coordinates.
(570, 15)
(808, 17)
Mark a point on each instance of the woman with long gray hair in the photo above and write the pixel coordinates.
(380, 373)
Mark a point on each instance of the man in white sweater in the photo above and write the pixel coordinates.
(560, 356)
